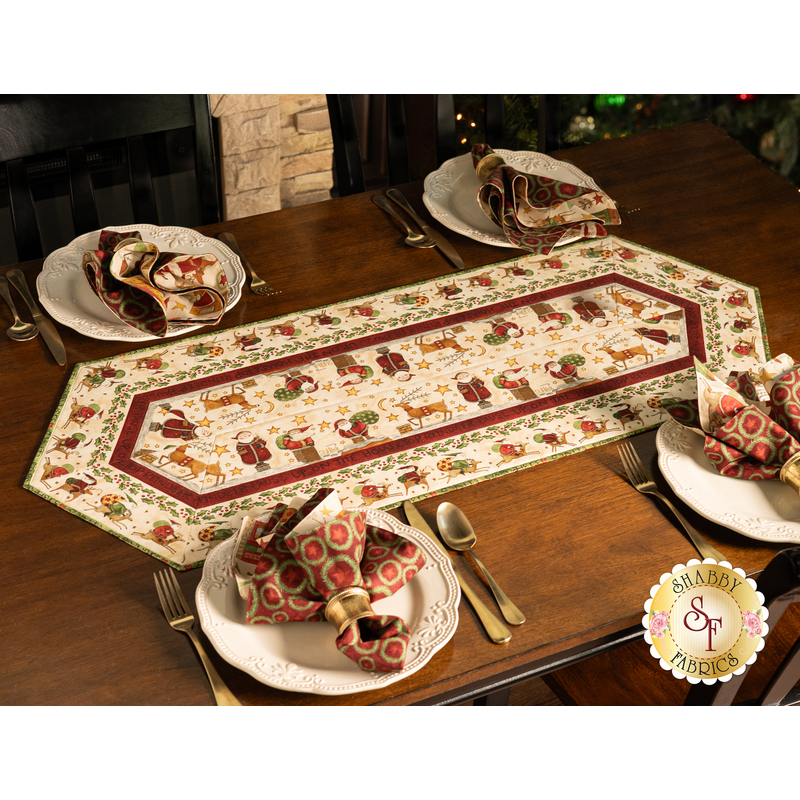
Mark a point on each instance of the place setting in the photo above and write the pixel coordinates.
(310, 467)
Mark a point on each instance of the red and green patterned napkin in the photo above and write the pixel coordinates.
(751, 424)
(153, 291)
(537, 213)
(298, 572)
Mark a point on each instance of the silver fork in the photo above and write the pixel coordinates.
(642, 482)
(180, 618)
(257, 285)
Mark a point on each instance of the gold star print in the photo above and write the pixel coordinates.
(469, 339)
(163, 411)
(599, 296)
(461, 408)
(576, 327)
(298, 420)
(377, 382)
(352, 391)
(488, 372)
(205, 422)
(466, 362)
(423, 364)
(274, 430)
(250, 420)
(309, 401)
(512, 362)
(343, 410)
(550, 353)
(220, 449)
(327, 387)
(442, 389)
(323, 425)
(532, 332)
(556, 337)
(260, 394)
(535, 367)
(598, 361)
(399, 391)
(601, 336)
(660, 352)
(236, 471)
(405, 346)
(179, 306)
(188, 403)
(392, 417)
(518, 345)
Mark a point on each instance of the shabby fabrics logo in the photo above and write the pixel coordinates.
(705, 621)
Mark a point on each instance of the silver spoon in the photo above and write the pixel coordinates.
(20, 331)
(414, 239)
(459, 535)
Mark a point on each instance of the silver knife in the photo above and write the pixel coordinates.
(46, 328)
(442, 245)
(495, 629)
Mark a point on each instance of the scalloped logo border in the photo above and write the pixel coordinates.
(669, 647)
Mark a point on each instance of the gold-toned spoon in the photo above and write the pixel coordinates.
(458, 534)
(412, 238)
(20, 331)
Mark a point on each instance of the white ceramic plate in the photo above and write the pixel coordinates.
(766, 510)
(302, 656)
(68, 298)
(451, 192)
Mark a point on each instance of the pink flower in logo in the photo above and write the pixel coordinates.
(658, 624)
(752, 622)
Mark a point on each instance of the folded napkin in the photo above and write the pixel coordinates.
(538, 213)
(333, 572)
(153, 291)
(751, 424)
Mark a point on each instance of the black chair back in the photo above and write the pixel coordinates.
(66, 128)
(347, 154)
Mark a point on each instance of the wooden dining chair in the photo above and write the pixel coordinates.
(63, 134)
(630, 676)
(348, 150)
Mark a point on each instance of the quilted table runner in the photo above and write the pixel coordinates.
(399, 395)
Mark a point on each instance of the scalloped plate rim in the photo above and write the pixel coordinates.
(361, 681)
(111, 328)
(727, 495)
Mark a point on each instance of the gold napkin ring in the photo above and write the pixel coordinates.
(486, 165)
(790, 472)
(346, 606)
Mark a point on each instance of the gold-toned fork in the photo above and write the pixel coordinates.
(181, 619)
(643, 483)
(257, 285)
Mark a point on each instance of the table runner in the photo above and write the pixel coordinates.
(403, 394)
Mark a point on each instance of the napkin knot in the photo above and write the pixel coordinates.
(751, 423)
(334, 572)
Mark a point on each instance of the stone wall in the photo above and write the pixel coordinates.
(276, 151)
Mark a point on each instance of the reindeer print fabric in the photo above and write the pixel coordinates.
(400, 395)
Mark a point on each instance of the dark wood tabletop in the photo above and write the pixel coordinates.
(569, 540)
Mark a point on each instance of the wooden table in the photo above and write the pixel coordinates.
(571, 542)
